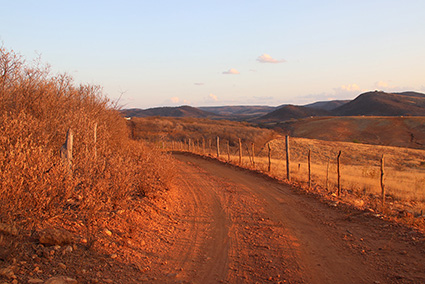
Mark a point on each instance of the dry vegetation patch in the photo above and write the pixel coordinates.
(158, 129)
(109, 176)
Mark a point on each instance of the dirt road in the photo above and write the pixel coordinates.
(240, 227)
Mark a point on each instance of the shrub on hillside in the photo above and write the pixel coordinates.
(36, 186)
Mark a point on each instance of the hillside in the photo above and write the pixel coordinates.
(384, 104)
(290, 112)
(239, 112)
(375, 103)
(327, 105)
(158, 129)
(388, 131)
(181, 111)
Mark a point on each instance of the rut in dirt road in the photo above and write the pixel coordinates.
(245, 228)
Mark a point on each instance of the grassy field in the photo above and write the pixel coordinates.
(360, 167)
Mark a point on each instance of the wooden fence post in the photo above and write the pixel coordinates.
(287, 158)
(327, 174)
(66, 149)
(218, 147)
(338, 161)
(382, 181)
(203, 145)
(253, 154)
(240, 152)
(228, 152)
(309, 168)
(270, 156)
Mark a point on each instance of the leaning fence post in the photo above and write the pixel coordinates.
(338, 161)
(309, 168)
(382, 180)
(270, 156)
(218, 147)
(253, 154)
(327, 173)
(66, 149)
(287, 157)
(240, 152)
(228, 152)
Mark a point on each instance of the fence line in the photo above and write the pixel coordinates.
(203, 150)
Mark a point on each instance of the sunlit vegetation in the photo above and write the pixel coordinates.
(36, 187)
(158, 129)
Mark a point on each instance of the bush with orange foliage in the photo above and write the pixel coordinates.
(36, 187)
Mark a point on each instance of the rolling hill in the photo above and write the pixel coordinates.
(384, 104)
(239, 112)
(327, 105)
(291, 112)
(375, 103)
(181, 111)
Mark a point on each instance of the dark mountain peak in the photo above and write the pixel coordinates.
(379, 103)
(288, 112)
(327, 105)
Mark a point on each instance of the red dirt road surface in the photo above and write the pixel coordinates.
(241, 227)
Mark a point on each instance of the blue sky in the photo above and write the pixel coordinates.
(234, 52)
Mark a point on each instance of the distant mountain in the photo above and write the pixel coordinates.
(327, 105)
(239, 111)
(291, 112)
(375, 103)
(181, 111)
(384, 104)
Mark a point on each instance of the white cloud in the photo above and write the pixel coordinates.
(231, 71)
(389, 87)
(344, 92)
(381, 84)
(213, 97)
(199, 84)
(265, 58)
(175, 100)
(349, 88)
(347, 91)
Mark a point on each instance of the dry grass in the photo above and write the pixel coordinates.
(36, 187)
(360, 168)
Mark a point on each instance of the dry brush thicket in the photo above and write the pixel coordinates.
(158, 129)
(37, 188)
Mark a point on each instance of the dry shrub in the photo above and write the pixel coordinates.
(156, 129)
(36, 186)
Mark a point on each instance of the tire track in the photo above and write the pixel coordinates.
(277, 235)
